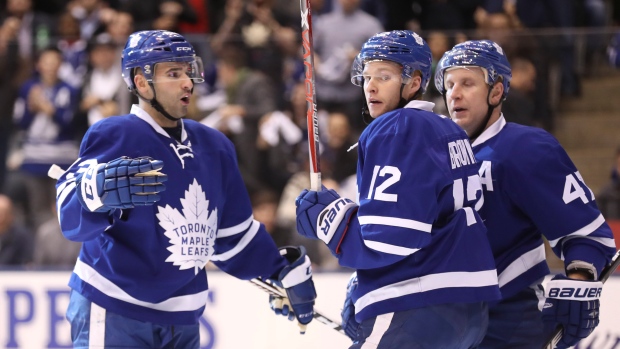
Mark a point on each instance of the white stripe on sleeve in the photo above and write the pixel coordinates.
(391, 249)
(587, 230)
(239, 228)
(245, 240)
(396, 222)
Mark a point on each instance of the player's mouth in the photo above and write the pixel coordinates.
(185, 99)
(374, 102)
(458, 111)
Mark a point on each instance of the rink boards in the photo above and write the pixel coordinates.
(32, 306)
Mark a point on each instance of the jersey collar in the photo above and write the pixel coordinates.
(422, 105)
(142, 114)
(491, 131)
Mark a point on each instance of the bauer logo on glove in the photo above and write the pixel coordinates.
(330, 218)
(121, 183)
(575, 293)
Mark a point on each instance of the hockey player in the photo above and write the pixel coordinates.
(140, 280)
(531, 188)
(411, 235)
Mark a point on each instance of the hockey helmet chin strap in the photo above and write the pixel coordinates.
(483, 124)
(157, 106)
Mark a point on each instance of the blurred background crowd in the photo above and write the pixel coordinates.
(60, 73)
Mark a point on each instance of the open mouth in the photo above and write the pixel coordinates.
(373, 101)
(458, 110)
(185, 100)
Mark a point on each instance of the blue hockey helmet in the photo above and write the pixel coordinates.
(144, 49)
(478, 53)
(400, 46)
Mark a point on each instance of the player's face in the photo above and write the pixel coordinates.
(382, 82)
(173, 87)
(466, 96)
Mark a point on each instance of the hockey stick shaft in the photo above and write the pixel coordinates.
(607, 272)
(311, 109)
(318, 316)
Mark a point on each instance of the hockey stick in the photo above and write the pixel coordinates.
(607, 272)
(311, 110)
(318, 316)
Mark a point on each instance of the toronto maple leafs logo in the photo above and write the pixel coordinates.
(192, 232)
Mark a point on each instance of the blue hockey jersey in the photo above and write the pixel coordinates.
(148, 263)
(531, 187)
(417, 239)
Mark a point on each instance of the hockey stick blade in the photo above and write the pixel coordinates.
(318, 316)
(607, 272)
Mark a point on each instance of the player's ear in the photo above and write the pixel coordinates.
(142, 85)
(414, 84)
(496, 93)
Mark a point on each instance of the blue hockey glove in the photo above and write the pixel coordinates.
(320, 214)
(122, 183)
(574, 304)
(296, 279)
(349, 324)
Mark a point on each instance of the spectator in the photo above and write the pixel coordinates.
(10, 65)
(439, 42)
(92, 15)
(44, 110)
(342, 162)
(268, 35)
(338, 37)
(609, 197)
(31, 32)
(103, 85)
(16, 243)
(265, 207)
(209, 17)
(249, 96)
(278, 141)
(159, 14)
(73, 48)
(519, 106)
(554, 14)
(120, 27)
(52, 249)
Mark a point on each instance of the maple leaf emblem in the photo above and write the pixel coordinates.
(192, 232)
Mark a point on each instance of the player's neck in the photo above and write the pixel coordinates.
(157, 116)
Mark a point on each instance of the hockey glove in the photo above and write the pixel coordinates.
(320, 215)
(349, 324)
(296, 279)
(122, 183)
(574, 304)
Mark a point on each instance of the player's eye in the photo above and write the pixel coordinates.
(174, 74)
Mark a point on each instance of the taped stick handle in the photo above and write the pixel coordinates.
(318, 316)
(607, 272)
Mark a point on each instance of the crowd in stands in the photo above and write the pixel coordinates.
(60, 73)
